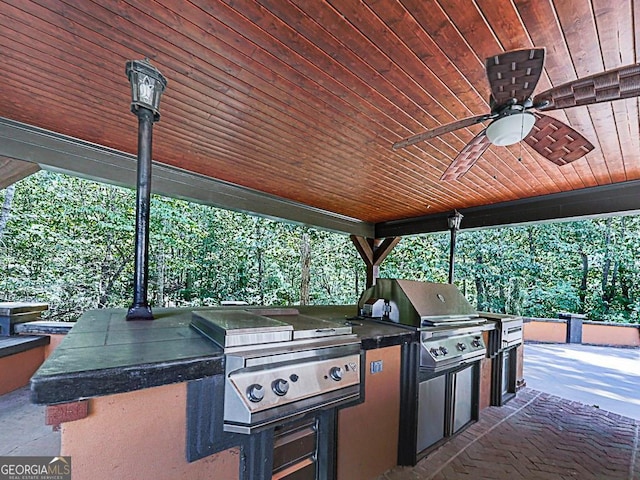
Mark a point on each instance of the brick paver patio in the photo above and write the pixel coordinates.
(536, 436)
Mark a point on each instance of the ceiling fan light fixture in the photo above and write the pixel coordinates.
(510, 129)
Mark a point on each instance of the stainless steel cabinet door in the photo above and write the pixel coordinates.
(432, 396)
(462, 398)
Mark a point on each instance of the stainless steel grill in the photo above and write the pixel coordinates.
(281, 364)
(450, 329)
(440, 372)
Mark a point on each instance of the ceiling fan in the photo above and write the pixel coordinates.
(515, 114)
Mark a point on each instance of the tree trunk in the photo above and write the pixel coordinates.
(110, 271)
(305, 266)
(6, 208)
(607, 258)
(625, 283)
(582, 292)
(532, 243)
(160, 269)
(607, 290)
(259, 252)
(479, 285)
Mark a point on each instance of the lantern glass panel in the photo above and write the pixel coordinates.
(147, 85)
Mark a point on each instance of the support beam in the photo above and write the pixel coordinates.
(373, 252)
(615, 199)
(13, 170)
(72, 156)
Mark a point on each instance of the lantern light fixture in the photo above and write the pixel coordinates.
(453, 221)
(147, 86)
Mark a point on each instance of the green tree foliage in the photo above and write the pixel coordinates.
(69, 242)
(590, 266)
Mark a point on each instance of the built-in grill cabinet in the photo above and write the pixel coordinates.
(440, 373)
(504, 341)
(295, 450)
(447, 403)
(285, 376)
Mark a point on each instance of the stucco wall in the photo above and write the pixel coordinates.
(486, 364)
(140, 435)
(610, 335)
(16, 370)
(368, 433)
(552, 332)
(593, 333)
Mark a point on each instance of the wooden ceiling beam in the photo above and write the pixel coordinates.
(12, 170)
(373, 251)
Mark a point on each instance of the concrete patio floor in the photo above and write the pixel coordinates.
(23, 429)
(602, 376)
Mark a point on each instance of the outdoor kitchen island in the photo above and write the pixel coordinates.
(121, 393)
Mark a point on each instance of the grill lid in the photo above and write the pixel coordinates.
(418, 304)
(232, 328)
(247, 327)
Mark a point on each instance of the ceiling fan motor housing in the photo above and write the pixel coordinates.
(510, 128)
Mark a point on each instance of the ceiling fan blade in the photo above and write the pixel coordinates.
(449, 127)
(514, 74)
(623, 82)
(556, 141)
(467, 157)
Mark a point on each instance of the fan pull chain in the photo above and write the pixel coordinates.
(521, 136)
(520, 154)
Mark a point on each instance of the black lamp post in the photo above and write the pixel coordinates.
(147, 85)
(453, 221)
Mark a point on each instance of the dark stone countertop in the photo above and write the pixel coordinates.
(43, 327)
(20, 343)
(372, 333)
(103, 354)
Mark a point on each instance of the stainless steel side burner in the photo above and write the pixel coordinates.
(504, 341)
(281, 364)
(507, 334)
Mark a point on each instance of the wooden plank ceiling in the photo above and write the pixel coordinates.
(303, 98)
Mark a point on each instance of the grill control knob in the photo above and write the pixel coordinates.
(443, 350)
(475, 342)
(255, 392)
(461, 346)
(434, 352)
(280, 387)
(336, 373)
